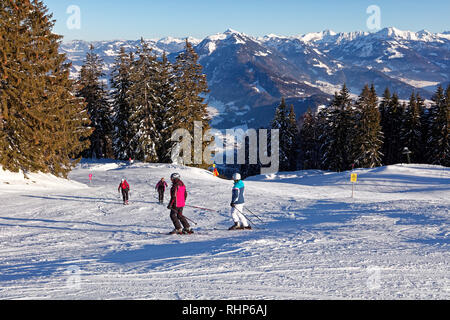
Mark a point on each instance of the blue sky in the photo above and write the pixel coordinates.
(131, 19)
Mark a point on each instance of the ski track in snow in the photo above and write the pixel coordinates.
(390, 242)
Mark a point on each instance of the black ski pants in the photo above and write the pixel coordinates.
(125, 195)
(179, 221)
(161, 195)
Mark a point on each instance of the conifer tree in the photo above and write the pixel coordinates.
(166, 113)
(92, 89)
(120, 84)
(281, 122)
(190, 90)
(248, 169)
(309, 142)
(392, 129)
(411, 135)
(286, 122)
(42, 125)
(438, 137)
(293, 135)
(424, 113)
(144, 101)
(384, 121)
(337, 133)
(368, 137)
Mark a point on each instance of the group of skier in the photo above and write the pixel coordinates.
(178, 196)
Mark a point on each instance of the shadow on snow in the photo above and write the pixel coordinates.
(87, 199)
(161, 254)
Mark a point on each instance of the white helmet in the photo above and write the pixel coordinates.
(236, 177)
(175, 176)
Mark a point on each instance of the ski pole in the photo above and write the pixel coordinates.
(254, 214)
(246, 217)
(191, 220)
(202, 208)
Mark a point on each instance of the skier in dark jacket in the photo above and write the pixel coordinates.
(125, 187)
(161, 188)
(178, 195)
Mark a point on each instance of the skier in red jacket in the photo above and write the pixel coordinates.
(178, 195)
(125, 189)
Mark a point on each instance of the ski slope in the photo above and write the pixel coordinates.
(64, 239)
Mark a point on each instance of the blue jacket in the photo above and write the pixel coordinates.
(238, 193)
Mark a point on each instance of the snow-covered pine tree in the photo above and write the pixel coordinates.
(411, 135)
(438, 137)
(120, 84)
(337, 131)
(367, 137)
(42, 123)
(165, 115)
(309, 142)
(144, 102)
(191, 88)
(91, 87)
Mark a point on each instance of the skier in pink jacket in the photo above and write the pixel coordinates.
(178, 195)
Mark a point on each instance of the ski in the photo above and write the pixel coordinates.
(180, 234)
(184, 233)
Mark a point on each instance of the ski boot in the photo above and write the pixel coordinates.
(188, 231)
(176, 231)
(236, 226)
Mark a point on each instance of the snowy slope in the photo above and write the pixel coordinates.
(14, 182)
(390, 242)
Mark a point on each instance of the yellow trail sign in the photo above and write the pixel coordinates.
(353, 179)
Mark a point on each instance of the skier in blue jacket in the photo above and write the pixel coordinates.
(237, 204)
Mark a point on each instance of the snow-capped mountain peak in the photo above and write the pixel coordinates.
(229, 33)
(232, 31)
(392, 32)
(273, 36)
(325, 35)
(172, 40)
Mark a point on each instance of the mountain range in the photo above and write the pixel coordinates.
(248, 76)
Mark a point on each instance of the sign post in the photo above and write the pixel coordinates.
(407, 152)
(353, 179)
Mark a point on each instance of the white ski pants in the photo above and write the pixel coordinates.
(238, 217)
